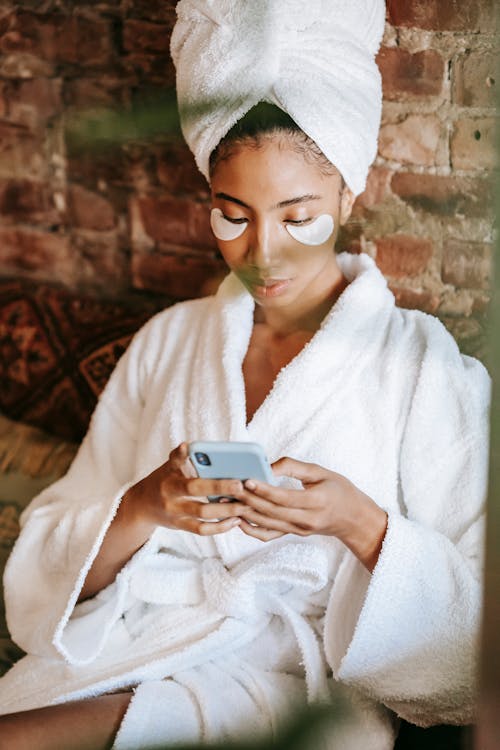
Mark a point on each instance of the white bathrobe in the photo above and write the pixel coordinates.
(224, 635)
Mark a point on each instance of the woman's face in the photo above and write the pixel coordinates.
(276, 220)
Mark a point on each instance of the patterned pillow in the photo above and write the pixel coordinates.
(57, 350)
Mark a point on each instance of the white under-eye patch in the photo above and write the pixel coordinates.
(315, 233)
(224, 229)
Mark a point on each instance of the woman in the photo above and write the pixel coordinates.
(363, 564)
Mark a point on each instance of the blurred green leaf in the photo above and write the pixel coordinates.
(144, 120)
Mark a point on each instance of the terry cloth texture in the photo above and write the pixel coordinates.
(315, 63)
(380, 395)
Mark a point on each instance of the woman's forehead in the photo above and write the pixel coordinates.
(275, 168)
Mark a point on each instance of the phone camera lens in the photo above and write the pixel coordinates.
(202, 459)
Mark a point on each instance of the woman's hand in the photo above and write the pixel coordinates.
(168, 496)
(172, 496)
(329, 504)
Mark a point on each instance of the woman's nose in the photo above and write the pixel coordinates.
(263, 245)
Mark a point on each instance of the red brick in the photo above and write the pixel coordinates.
(400, 255)
(473, 143)
(475, 76)
(3, 99)
(415, 140)
(43, 255)
(154, 10)
(446, 196)
(469, 334)
(89, 210)
(177, 171)
(183, 276)
(103, 264)
(33, 102)
(349, 237)
(172, 220)
(407, 75)
(412, 299)
(467, 264)
(443, 15)
(153, 69)
(21, 153)
(104, 6)
(56, 37)
(376, 191)
(83, 41)
(143, 36)
(140, 173)
(27, 201)
(24, 65)
(354, 247)
(481, 304)
(89, 165)
(104, 91)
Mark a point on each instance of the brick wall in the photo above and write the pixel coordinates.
(134, 216)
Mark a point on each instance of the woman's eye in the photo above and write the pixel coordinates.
(297, 222)
(241, 220)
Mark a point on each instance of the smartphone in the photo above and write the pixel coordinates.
(214, 459)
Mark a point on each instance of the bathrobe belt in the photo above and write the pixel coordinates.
(278, 582)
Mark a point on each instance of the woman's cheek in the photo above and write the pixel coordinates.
(233, 253)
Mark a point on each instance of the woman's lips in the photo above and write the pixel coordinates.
(271, 287)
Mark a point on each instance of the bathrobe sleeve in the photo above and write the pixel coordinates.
(63, 528)
(409, 636)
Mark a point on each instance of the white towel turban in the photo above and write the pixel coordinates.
(314, 59)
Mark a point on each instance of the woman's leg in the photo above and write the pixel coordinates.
(89, 724)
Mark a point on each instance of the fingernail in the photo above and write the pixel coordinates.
(236, 522)
(250, 485)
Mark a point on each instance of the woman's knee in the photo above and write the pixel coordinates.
(83, 725)
(13, 732)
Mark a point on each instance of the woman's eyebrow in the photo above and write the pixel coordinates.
(282, 204)
(226, 197)
(300, 199)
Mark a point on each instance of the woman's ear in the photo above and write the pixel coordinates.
(346, 203)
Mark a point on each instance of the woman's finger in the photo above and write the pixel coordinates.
(265, 535)
(208, 528)
(209, 511)
(305, 472)
(178, 455)
(275, 524)
(293, 514)
(277, 495)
